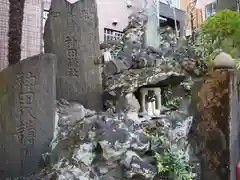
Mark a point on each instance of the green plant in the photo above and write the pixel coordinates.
(219, 32)
(170, 159)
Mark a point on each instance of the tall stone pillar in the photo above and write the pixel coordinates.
(71, 32)
(215, 133)
(27, 115)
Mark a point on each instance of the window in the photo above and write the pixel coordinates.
(110, 34)
(210, 9)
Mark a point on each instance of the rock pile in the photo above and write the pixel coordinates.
(109, 146)
(131, 52)
(128, 64)
(119, 144)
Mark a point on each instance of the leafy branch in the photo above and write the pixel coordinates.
(219, 32)
(169, 157)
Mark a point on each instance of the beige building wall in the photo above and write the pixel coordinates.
(197, 16)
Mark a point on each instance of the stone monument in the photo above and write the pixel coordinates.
(27, 111)
(152, 36)
(71, 32)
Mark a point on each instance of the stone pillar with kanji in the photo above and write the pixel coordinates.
(71, 32)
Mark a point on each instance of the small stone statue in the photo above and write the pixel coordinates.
(151, 103)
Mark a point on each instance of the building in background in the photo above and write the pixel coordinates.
(208, 7)
(45, 10)
(113, 18)
(4, 7)
(193, 20)
(211, 6)
(31, 35)
(228, 4)
(113, 15)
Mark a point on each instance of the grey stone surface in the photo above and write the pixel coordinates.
(224, 60)
(152, 37)
(71, 32)
(114, 67)
(27, 106)
(128, 103)
(107, 145)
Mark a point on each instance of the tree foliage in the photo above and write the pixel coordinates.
(219, 32)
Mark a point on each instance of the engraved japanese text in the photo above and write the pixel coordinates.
(25, 130)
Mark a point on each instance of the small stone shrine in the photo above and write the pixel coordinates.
(27, 114)
(151, 101)
(71, 32)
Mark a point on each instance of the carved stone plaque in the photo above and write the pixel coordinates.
(27, 106)
(71, 32)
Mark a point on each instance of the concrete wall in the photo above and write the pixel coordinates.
(110, 10)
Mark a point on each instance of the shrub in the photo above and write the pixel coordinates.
(219, 32)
